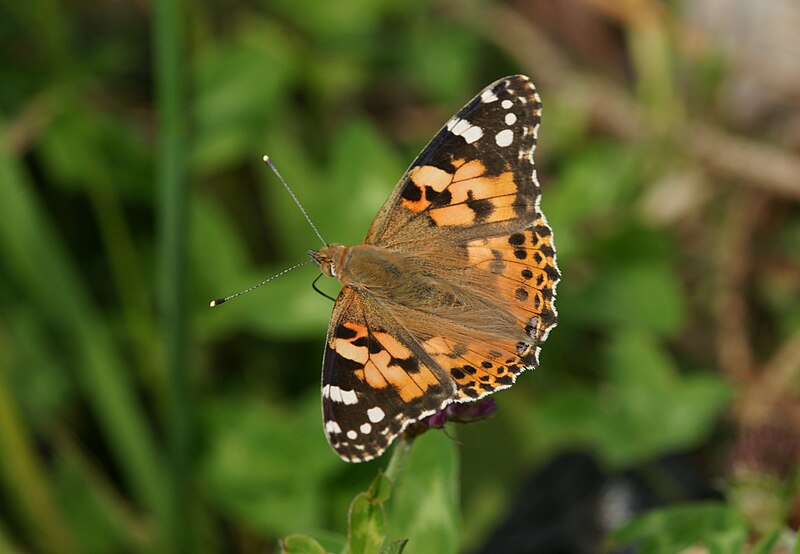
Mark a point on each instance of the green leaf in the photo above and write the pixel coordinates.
(591, 187)
(332, 22)
(644, 296)
(241, 87)
(300, 544)
(647, 408)
(367, 518)
(395, 547)
(342, 199)
(666, 531)
(363, 171)
(424, 505)
(252, 472)
(82, 146)
(442, 57)
(767, 543)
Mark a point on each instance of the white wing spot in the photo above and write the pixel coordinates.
(465, 129)
(375, 414)
(335, 394)
(332, 427)
(510, 118)
(460, 127)
(366, 428)
(352, 435)
(338, 395)
(488, 96)
(349, 397)
(507, 104)
(472, 134)
(504, 137)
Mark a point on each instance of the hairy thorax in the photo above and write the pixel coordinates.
(383, 274)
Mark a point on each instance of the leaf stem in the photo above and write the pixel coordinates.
(399, 457)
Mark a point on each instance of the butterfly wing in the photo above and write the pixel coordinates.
(475, 178)
(376, 379)
(515, 276)
(470, 202)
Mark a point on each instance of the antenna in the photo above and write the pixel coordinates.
(218, 301)
(268, 161)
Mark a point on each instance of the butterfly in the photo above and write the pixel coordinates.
(453, 289)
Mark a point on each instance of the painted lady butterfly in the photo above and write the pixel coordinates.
(453, 289)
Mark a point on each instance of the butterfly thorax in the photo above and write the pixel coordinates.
(379, 272)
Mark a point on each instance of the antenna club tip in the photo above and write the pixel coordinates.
(216, 302)
(266, 159)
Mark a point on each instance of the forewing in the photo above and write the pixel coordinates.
(475, 176)
(376, 380)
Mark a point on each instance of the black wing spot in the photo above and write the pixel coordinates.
(517, 239)
(440, 198)
(526, 274)
(412, 192)
(343, 332)
(547, 250)
(375, 346)
(552, 272)
(521, 294)
(483, 208)
(520, 253)
(409, 365)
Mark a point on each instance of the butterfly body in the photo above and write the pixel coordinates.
(452, 291)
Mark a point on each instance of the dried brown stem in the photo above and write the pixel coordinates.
(732, 268)
(777, 391)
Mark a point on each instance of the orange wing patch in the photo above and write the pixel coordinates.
(425, 178)
(464, 197)
(382, 361)
(476, 210)
(480, 369)
(525, 266)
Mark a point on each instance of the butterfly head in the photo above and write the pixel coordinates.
(329, 258)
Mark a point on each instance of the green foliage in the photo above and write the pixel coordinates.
(424, 506)
(367, 518)
(251, 470)
(718, 527)
(639, 414)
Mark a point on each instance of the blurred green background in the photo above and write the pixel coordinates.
(135, 419)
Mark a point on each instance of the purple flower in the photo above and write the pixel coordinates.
(462, 413)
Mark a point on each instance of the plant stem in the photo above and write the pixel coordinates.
(172, 117)
(399, 457)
